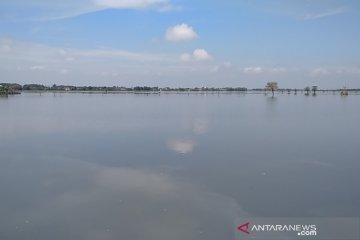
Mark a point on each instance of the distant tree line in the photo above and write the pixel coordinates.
(39, 87)
(10, 88)
(14, 88)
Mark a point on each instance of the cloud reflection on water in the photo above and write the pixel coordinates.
(88, 201)
(182, 146)
(200, 126)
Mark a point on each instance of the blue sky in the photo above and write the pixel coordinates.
(181, 43)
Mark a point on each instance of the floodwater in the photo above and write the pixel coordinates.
(172, 166)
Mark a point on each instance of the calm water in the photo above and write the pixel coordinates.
(179, 167)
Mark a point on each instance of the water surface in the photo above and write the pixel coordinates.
(172, 166)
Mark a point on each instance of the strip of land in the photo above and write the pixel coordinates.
(15, 88)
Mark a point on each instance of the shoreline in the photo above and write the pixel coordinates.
(279, 92)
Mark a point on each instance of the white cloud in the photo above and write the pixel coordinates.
(182, 146)
(277, 70)
(325, 14)
(264, 70)
(83, 66)
(43, 10)
(201, 54)
(108, 53)
(182, 32)
(253, 70)
(170, 8)
(331, 71)
(26, 60)
(37, 53)
(309, 9)
(197, 55)
(225, 66)
(129, 4)
(317, 72)
(37, 67)
(29, 62)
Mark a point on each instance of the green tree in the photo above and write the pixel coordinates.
(4, 90)
(272, 86)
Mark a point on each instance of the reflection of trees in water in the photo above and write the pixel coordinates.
(271, 100)
(314, 89)
(271, 103)
(5, 96)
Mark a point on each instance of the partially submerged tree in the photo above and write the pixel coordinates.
(344, 91)
(314, 89)
(272, 86)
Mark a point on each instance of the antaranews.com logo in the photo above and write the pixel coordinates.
(301, 230)
(298, 228)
